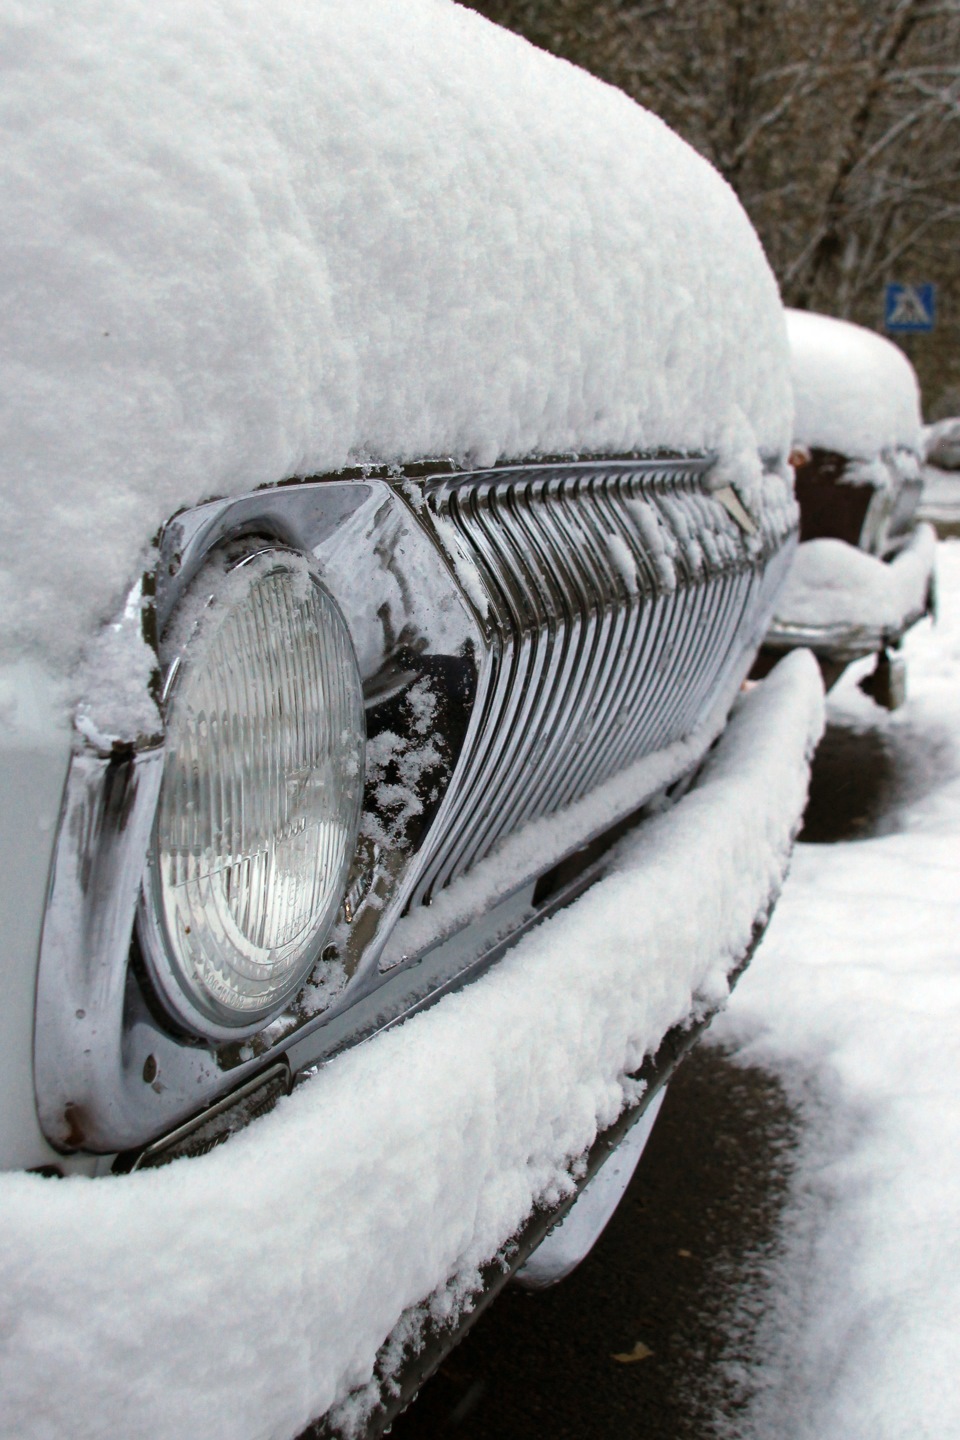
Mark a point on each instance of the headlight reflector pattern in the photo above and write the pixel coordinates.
(260, 800)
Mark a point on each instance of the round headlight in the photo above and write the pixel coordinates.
(260, 799)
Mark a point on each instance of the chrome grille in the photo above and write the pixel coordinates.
(589, 670)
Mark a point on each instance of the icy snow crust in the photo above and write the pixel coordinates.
(854, 391)
(854, 1001)
(252, 239)
(248, 1291)
(832, 583)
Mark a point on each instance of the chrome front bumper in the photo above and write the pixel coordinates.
(843, 641)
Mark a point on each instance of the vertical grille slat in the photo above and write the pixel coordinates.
(501, 800)
(520, 618)
(609, 682)
(596, 596)
(591, 668)
(713, 659)
(573, 626)
(685, 649)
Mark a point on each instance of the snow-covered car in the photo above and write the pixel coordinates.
(864, 570)
(396, 492)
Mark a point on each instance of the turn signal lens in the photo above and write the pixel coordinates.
(260, 801)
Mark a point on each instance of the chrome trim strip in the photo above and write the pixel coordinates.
(843, 643)
(107, 817)
(234, 1111)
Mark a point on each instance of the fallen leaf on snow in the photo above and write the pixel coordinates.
(639, 1352)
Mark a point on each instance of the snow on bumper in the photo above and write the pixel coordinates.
(843, 604)
(244, 1293)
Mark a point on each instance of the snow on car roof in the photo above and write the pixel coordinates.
(854, 391)
(257, 238)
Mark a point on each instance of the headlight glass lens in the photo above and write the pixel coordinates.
(260, 800)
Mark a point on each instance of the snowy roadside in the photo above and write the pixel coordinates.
(854, 1001)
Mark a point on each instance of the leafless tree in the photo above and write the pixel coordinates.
(837, 122)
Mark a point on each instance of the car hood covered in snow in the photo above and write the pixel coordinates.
(245, 242)
(855, 392)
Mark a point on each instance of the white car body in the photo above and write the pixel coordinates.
(458, 345)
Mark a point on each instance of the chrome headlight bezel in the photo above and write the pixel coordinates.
(114, 1067)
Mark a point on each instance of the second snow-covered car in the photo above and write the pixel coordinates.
(864, 571)
(396, 494)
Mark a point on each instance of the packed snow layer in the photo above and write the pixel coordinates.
(252, 239)
(243, 1293)
(832, 583)
(854, 391)
(854, 1000)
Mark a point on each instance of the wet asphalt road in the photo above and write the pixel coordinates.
(693, 1228)
(690, 1239)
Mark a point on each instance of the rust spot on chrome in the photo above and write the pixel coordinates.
(73, 1119)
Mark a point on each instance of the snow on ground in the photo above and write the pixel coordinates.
(854, 1000)
(251, 239)
(240, 1294)
(855, 392)
(832, 583)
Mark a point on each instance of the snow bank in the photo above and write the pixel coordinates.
(854, 999)
(832, 583)
(240, 1294)
(854, 391)
(256, 238)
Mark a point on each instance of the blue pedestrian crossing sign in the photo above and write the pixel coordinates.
(910, 307)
